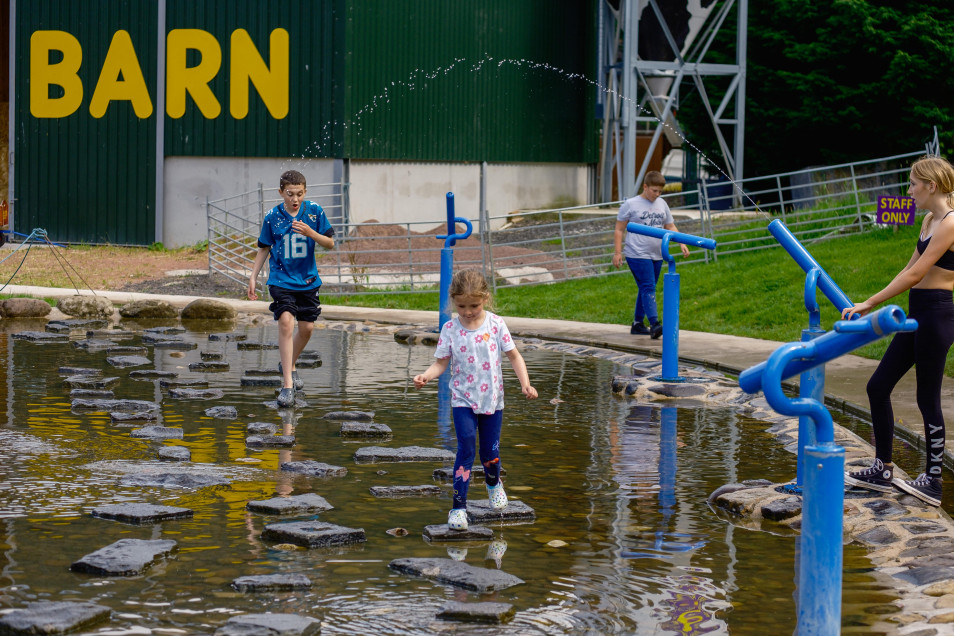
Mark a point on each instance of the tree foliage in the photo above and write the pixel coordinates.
(837, 81)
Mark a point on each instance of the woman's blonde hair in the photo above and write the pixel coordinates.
(938, 171)
(471, 282)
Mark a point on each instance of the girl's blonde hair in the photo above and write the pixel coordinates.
(470, 282)
(938, 171)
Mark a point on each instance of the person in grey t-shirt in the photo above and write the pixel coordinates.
(644, 253)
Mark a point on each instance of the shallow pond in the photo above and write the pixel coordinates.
(622, 484)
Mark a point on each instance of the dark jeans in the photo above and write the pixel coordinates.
(468, 425)
(646, 272)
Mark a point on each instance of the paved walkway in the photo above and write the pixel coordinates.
(845, 377)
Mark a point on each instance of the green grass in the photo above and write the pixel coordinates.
(756, 294)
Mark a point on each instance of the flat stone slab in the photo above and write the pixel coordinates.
(255, 346)
(308, 503)
(223, 412)
(272, 583)
(89, 382)
(494, 613)
(195, 394)
(127, 350)
(151, 374)
(80, 323)
(174, 454)
(365, 430)
(138, 416)
(300, 403)
(164, 330)
(40, 336)
(447, 472)
(380, 454)
(122, 362)
(209, 365)
(270, 625)
(259, 380)
(314, 469)
(440, 533)
(112, 334)
(174, 382)
(176, 345)
(228, 337)
(140, 513)
(270, 441)
(398, 492)
(480, 511)
(91, 393)
(456, 573)
(258, 372)
(211, 355)
(152, 337)
(156, 432)
(125, 406)
(350, 416)
(173, 480)
(93, 344)
(126, 557)
(58, 617)
(79, 371)
(261, 428)
(313, 534)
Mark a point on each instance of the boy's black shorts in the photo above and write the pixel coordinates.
(303, 305)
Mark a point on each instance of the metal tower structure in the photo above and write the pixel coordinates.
(648, 48)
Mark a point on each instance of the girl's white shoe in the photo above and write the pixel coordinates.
(457, 519)
(497, 496)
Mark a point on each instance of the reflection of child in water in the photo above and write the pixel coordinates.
(283, 487)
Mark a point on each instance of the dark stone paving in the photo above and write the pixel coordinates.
(270, 625)
(313, 534)
(480, 511)
(308, 503)
(272, 583)
(398, 492)
(380, 454)
(140, 513)
(456, 573)
(56, 617)
(125, 557)
(477, 612)
(442, 532)
(313, 468)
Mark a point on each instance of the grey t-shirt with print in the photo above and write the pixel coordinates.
(640, 210)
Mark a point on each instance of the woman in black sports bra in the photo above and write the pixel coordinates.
(929, 275)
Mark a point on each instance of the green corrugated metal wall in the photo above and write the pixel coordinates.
(312, 127)
(417, 89)
(80, 178)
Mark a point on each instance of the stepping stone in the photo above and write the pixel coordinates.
(112, 334)
(140, 513)
(138, 416)
(196, 394)
(365, 430)
(91, 393)
(126, 406)
(494, 613)
(93, 344)
(130, 350)
(152, 374)
(309, 503)
(255, 346)
(152, 337)
(260, 380)
(156, 432)
(300, 403)
(177, 345)
(270, 441)
(228, 337)
(350, 416)
(174, 454)
(313, 534)
(447, 472)
(397, 492)
(168, 383)
(78, 371)
(164, 330)
(54, 328)
(261, 428)
(480, 511)
(456, 573)
(212, 365)
(272, 583)
(57, 617)
(257, 372)
(78, 323)
(223, 412)
(442, 532)
(380, 454)
(126, 557)
(173, 480)
(270, 625)
(40, 336)
(89, 382)
(211, 355)
(314, 469)
(309, 360)
(128, 361)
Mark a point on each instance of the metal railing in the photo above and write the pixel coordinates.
(541, 246)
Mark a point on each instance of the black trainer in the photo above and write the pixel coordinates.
(925, 488)
(877, 477)
(655, 331)
(639, 329)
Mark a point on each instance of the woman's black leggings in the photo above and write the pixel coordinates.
(926, 349)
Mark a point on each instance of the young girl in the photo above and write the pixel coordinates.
(471, 344)
(930, 277)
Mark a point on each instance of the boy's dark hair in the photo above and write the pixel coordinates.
(654, 178)
(291, 177)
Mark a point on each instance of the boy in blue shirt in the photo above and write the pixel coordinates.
(289, 233)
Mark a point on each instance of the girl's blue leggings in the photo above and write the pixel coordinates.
(468, 425)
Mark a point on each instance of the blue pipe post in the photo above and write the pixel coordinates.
(670, 338)
(801, 256)
(811, 383)
(820, 571)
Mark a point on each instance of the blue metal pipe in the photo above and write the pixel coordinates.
(846, 337)
(678, 237)
(805, 260)
(447, 258)
(772, 388)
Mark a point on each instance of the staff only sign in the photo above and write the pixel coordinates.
(896, 210)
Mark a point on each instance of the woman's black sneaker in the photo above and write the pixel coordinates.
(925, 488)
(639, 329)
(877, 477)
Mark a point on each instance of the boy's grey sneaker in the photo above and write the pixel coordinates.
(639, 329)
(925, 488)
(877, 477)
(297, 382)
(286, 398)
